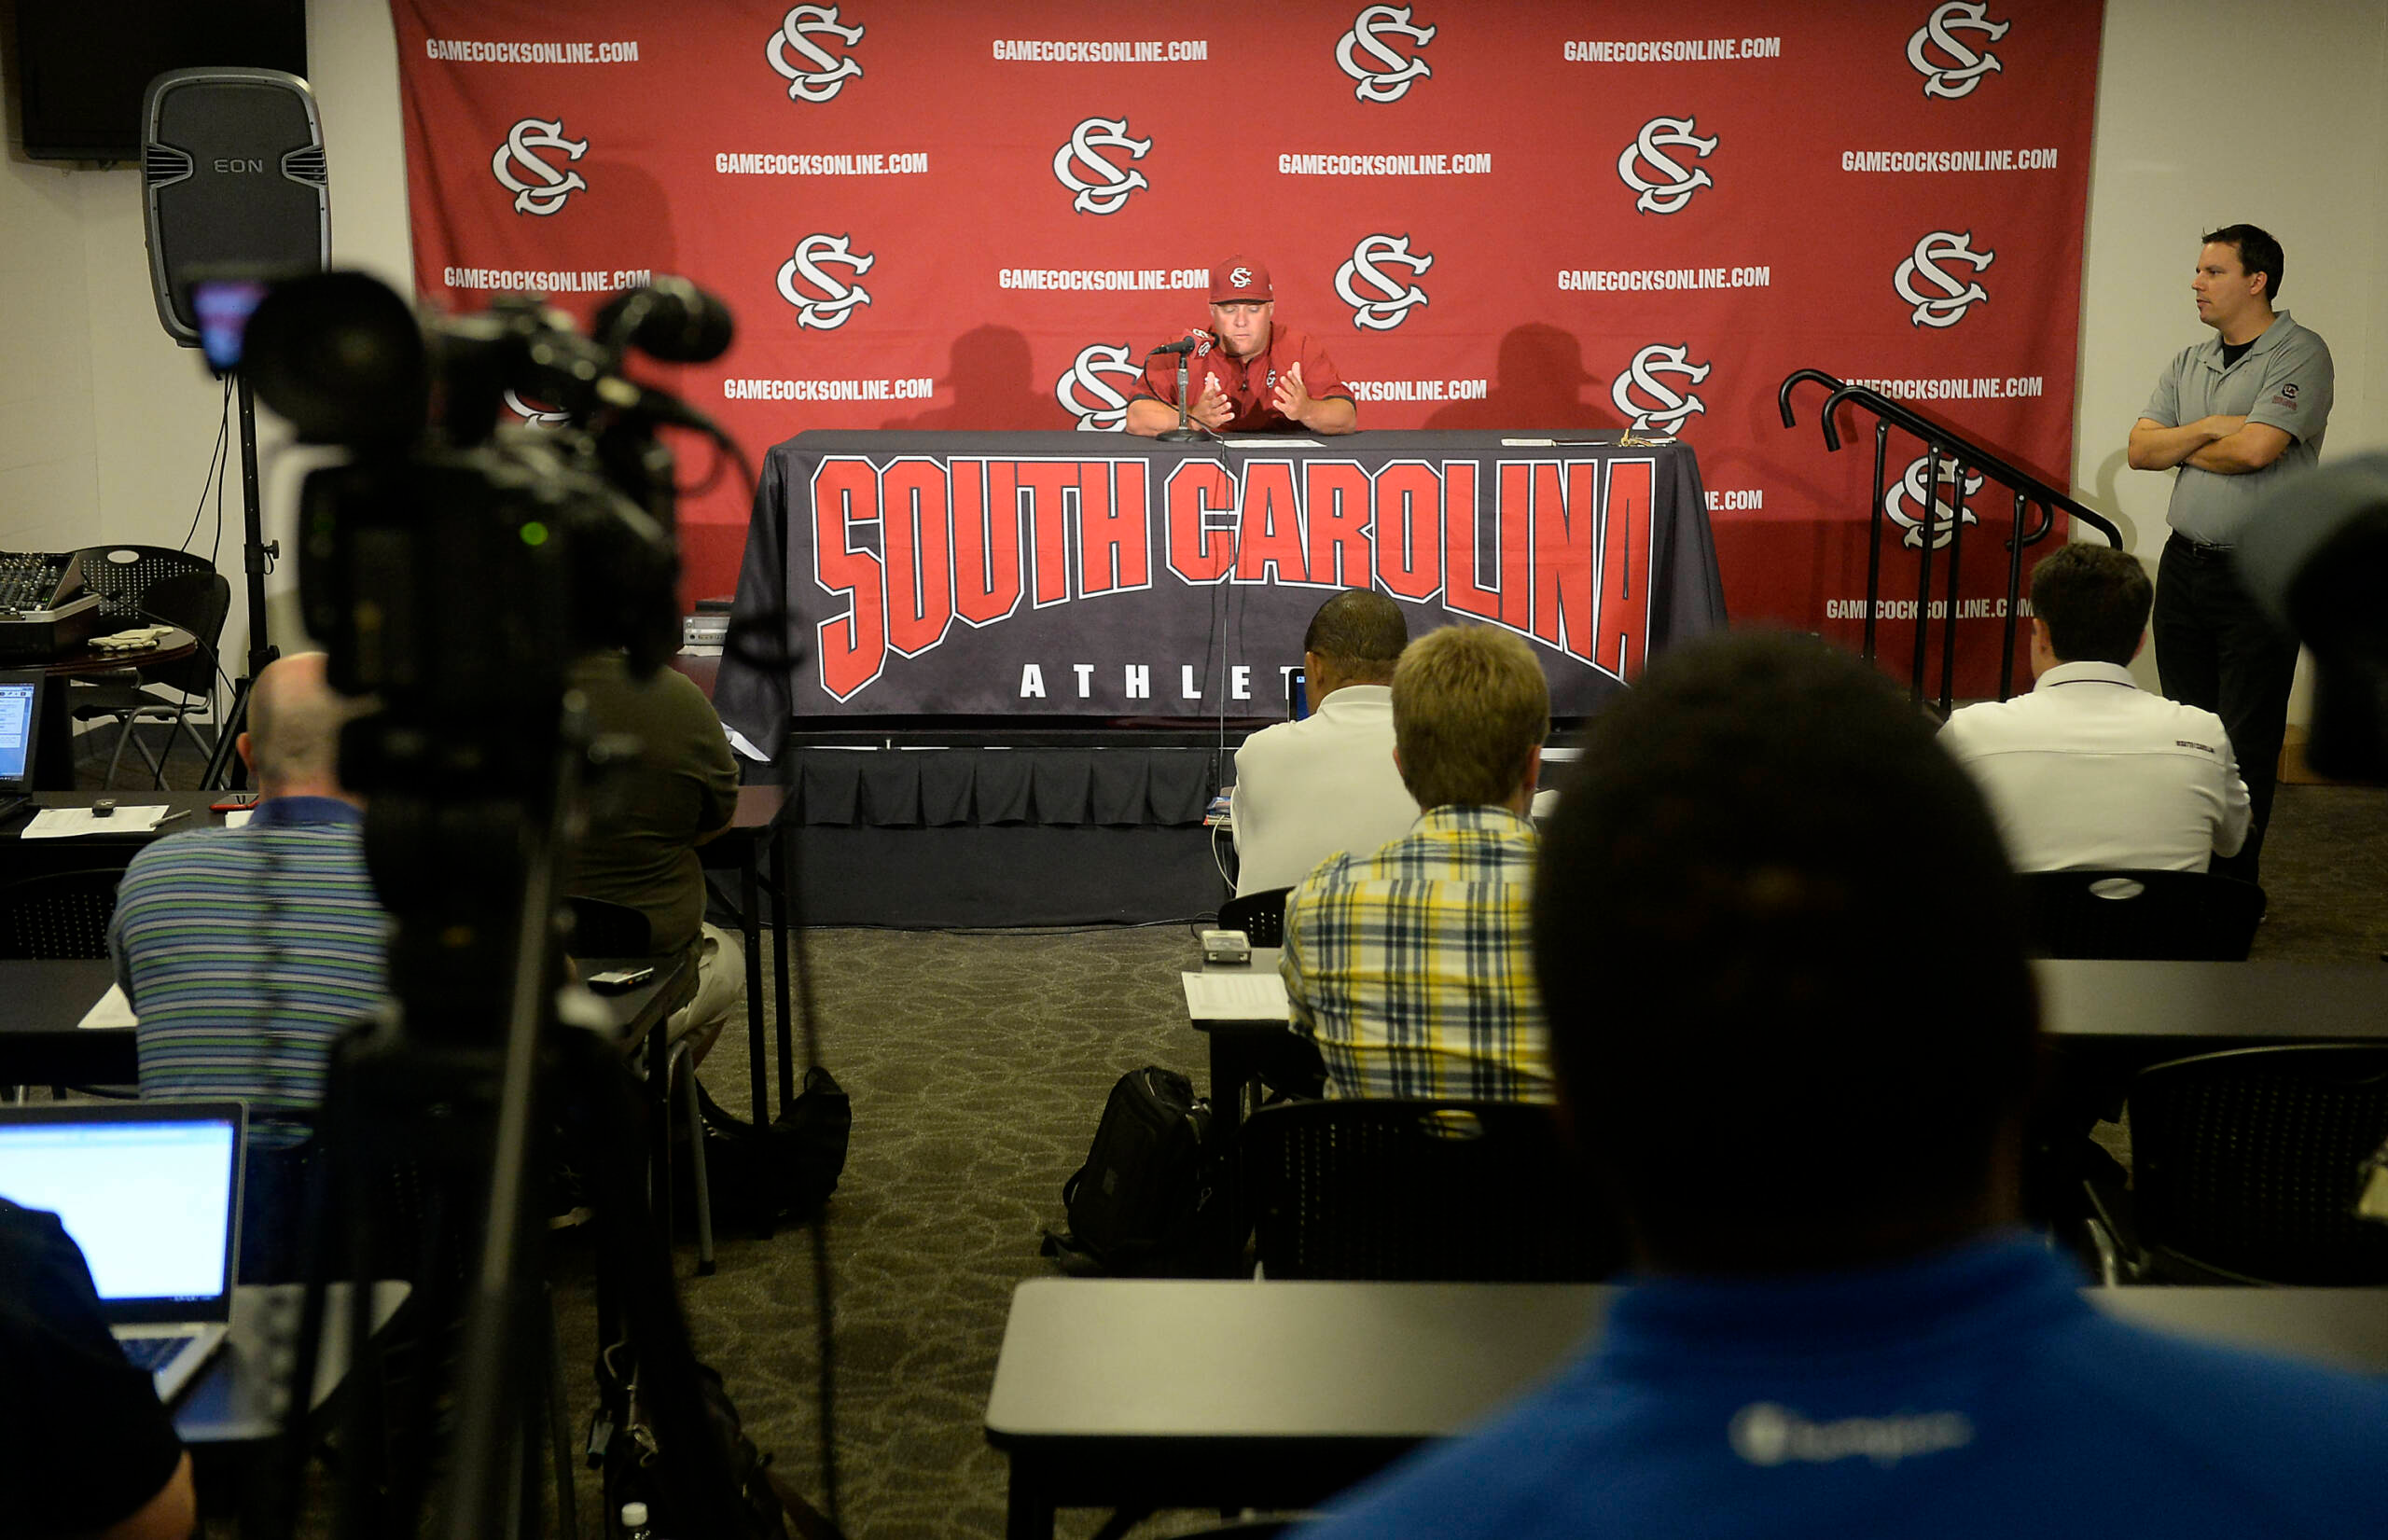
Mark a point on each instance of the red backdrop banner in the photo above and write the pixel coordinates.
(1506, 215)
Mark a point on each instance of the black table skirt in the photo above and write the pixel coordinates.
(952, 837)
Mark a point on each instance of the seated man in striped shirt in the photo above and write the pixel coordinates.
(1410, 963)
(247, 951)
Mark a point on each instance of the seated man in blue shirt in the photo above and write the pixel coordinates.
(247, 953)
(1781, 960)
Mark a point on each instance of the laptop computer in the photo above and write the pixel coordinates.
(151, 1191)
(20, 691)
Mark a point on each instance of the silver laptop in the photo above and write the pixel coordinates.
(151, 1191)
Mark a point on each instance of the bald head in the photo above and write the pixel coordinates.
(295, 717)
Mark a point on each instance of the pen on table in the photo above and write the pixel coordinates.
(170, 818)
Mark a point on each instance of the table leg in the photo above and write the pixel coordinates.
(1028, 1505)
(749, 900)
(1233, 1069)
(780, 904)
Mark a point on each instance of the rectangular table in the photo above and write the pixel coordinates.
(42, 1003)
(1301, 1389)
(1054, 574)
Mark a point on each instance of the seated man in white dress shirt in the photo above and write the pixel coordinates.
(1306, 789)
(2089, 770)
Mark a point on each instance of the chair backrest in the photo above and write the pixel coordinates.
(2149, 916)
(60, 914)
(197, 602)
(2248, 1163)
(121, 576)
(602, 928)
(1469, 1191)
(1262, 916)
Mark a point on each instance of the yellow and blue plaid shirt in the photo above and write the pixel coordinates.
(1412, 964)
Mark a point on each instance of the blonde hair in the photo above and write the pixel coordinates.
(1469, 705)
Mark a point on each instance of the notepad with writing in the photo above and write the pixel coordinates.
(1234, 996)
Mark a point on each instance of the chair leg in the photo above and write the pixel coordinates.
(177, 726)
(123, 735)
(684, 1073)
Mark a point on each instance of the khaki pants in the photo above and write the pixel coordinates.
(721, 992)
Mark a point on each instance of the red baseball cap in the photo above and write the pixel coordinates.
(1241, 278)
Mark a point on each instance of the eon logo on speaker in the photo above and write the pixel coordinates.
(1673, 186)
(1642, 394)
(1102, 185)
(1956, 69)
(829, 72)
(1390, 74)
(821, 301)
(1381, 301)
(1087, 393)
(538, 187)
(1907, 504)
(1940, 297)
(241, 168)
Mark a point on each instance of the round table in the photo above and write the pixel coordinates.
(54, 748)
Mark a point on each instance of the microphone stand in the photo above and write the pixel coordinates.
(223, 768)
(1185, 432)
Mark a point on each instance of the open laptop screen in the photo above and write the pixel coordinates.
(19, 714)
(149, 1190)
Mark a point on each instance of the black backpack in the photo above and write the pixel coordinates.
(1143, 1202)
(783, 1172)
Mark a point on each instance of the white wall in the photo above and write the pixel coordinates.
(2211, 114)
(2208, 113)
(106, 426)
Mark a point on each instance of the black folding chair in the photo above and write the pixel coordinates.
(602, 928)
(1262, 916)
(60, 914)
(2245, 1168)
(2149, 916)
(1414, 1190)
(198, 603)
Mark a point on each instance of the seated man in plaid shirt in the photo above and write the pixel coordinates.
(1410, 965)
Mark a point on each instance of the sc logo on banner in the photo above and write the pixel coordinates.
(1645, 397)
(829, 72)
(1964, 67)
(1939, 297)
(537, 186)
(821, 301)
(533, 416)
(1675, 186)
(1378, 300)
(1394, 72)
(1906, 505)
(1087, 393)
(1101, 185)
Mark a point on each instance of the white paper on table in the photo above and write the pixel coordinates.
(1248, 440)
(239, 816)
(65, 823)
(1529, 443)
(1235, 996)
(111, 1012)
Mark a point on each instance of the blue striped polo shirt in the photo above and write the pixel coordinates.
(245, 952)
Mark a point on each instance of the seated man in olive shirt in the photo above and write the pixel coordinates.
(647, 815)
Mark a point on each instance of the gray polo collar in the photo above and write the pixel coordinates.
(2270, 338)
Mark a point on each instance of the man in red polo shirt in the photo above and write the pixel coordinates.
(1247, 374)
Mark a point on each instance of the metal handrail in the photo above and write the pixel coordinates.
(1967, 456)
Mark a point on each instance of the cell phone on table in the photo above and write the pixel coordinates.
(234, 801)
(1297, 695)
(619, 980)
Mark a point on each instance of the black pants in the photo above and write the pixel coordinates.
(2216, 648)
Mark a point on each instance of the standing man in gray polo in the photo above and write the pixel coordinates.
(2234, 415)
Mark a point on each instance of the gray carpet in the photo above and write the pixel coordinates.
(978, 1064)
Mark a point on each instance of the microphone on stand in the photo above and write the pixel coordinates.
(1185, 432)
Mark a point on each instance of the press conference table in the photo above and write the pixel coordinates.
(2102, 1020)
(1302, 1389)
(43, 1003)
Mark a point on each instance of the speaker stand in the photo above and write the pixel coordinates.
(223, 767)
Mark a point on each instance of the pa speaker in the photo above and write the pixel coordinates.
(233, 182)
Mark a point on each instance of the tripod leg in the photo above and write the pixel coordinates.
(224, 769)
(567, 1525)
